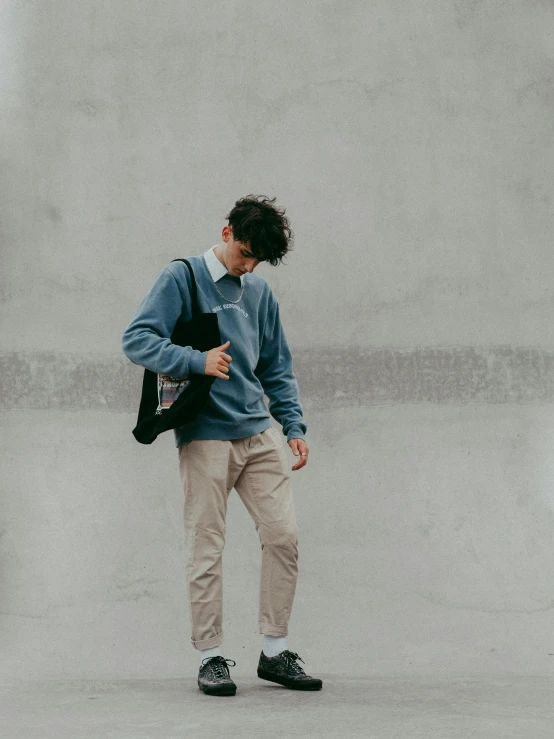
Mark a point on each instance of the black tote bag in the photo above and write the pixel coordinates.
(158, 411)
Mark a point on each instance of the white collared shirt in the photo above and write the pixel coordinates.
(216, 268)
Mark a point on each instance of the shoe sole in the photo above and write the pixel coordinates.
(292, 684)
(219, 690)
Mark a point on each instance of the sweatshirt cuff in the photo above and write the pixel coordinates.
(197, 362)
(295, 434)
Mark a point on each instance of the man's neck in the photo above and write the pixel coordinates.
(217, 251)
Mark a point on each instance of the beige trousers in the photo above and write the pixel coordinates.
(258, 468)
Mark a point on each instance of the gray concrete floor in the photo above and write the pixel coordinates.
(476, 706)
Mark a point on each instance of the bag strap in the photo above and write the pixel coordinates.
(194, 297)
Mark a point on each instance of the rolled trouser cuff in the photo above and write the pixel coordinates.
(273, 630)
(212, 641)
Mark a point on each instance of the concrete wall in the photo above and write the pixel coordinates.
(411, 144)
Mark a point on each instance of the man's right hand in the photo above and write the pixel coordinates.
(217, 362)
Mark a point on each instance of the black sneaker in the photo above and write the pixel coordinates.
(284, 669)
(214, 678)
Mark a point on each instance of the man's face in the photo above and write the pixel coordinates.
(237, 256)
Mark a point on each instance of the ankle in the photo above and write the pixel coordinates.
(274, 645)
(207, 653)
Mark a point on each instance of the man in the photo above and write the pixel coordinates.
(231, 442)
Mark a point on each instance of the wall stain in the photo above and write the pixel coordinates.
(438, 600)
(328, 377)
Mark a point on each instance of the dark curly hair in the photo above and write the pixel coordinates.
(262, 227)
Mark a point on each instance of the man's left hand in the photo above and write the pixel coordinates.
(299, 447)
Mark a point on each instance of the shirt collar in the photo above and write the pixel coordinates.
(216, 268)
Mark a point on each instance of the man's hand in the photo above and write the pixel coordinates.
(217, 362)
(299, 447)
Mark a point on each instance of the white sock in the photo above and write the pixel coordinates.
(273, 645)
(213, 652)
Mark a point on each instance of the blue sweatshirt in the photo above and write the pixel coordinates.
(261, 358)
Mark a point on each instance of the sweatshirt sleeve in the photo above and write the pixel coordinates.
(275, 373)
(146, 340)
